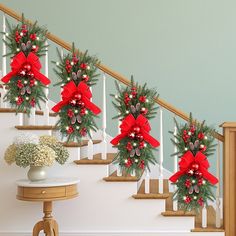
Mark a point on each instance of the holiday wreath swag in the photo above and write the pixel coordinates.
(195, 143)
(25, 83)
(135, 105)
(77, 73)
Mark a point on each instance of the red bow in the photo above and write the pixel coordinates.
(126, 128)
(17, 63)
(187, 160)
(71, 90)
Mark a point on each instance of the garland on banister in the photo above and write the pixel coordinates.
(135, 105)
(195, 143)
(77, 72)
(25, 83)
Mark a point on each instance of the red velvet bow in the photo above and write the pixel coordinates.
(185, 164)
(126, 127)
(17, 63)
(71, 90)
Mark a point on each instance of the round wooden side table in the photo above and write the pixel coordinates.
(47, 191)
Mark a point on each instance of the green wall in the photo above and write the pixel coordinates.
(185, 49)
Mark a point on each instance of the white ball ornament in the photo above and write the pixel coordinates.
(205, 137)
(127, 112)
(57, 63)
(130, 96)
(17, 49)
(72, 63)
(21, 34)
(189, 133)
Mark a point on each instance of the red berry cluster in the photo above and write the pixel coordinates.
(25, 87)
(191, 132)
(78, 71)
(20, 35)
(134, 146)
(75, 114)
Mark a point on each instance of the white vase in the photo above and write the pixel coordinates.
(37, 173)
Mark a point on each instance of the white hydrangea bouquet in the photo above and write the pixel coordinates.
(30, 150)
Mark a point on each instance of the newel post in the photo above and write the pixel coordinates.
(229, 178)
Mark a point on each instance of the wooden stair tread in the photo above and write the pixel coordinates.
(35, 127)
(80, 144)
(13, 110)
(124, 178)
(178, 213)
(154, 190)
(150, 196)
(211, 219)
(97, 160)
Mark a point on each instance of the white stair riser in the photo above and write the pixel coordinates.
(118, 233)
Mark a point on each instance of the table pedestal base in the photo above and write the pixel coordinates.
(48, 224)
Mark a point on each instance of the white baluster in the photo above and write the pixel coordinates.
(62, 55)
(2, 93)
(31, 118)
(4, 60)
(161, 154)
(218, 213)
(119, 171)
(175, 202)
(204, 216)
(46, 108)
(104, 120)
(90, 142)
(147, 182)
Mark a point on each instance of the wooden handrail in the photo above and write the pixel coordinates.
(106, 69)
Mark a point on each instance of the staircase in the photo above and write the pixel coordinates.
(110, 202)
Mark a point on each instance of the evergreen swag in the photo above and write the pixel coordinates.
(24, 90)
(75, 69)
(134, 154)
(193, 190)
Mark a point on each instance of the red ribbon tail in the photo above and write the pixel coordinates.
(7, 77)
(147, 137)
(42, 78)
(176, 176)
(58, 106)
(211, 178)
(92, 107)
(117, 139)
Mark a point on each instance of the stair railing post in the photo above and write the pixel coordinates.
(161, 156)
(175, 202)
(104, 119)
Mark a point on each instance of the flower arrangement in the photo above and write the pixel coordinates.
(31, 150)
